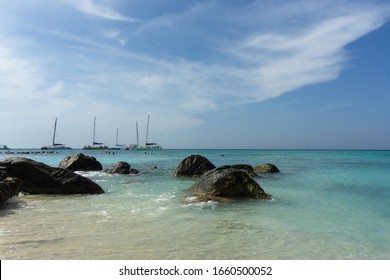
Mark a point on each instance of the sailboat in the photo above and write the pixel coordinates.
(117, 146)
(54, 145)
(95, 145)
(149, 145)
(132, 146)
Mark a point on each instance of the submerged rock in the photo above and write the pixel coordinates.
(39, 178)
(122, 168)
(230, 183)
(266, 168)
(81, 162)
(193, 166)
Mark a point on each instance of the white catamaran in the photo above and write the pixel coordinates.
(54, 145)
(148, 145)
(95, 145)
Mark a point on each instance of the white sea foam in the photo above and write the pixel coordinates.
(191, 199)
(193, 202)
(166, 197)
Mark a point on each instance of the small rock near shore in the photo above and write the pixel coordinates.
(122, 167)
(266, 168)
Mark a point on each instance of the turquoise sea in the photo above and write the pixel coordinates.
(326, 205)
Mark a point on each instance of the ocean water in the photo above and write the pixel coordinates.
(326, 205)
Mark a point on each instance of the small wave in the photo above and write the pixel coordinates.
(193, 202)
(133, 211)
(165, 197)
(103, 216)
(93, 174)
(162, 208)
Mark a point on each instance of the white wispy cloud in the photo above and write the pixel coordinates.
(115, 33)
(112, 33)
(92, 8)
(279, 62)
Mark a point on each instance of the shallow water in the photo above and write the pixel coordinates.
(326, 205)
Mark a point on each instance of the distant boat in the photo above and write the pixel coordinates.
(54, 145)
(132, 146)
(149, 145)
(4, 147)
(117, 146)
(95, 145)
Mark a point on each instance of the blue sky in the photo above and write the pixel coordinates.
(211, 74)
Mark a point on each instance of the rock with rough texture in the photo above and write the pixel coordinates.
(81, 162)
(39, 178)
(123, 168)
(9, 186)
(244, 167)
(230, 183)
(193, 166)
(266, 168)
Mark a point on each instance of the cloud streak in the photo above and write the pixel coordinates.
(91, 8)
(279, 63)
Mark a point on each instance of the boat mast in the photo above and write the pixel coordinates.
(147, 131)
(136, 127)
(94, 127)
(116, 143)
(54, 132)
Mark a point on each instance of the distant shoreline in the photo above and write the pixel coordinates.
(233, 149)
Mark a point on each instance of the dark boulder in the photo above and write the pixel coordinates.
(9, 186)
(230, 183)
(39, 178)
(81, 162)
(266, 168)
(122, 168)
(193, 166)
(244, 167)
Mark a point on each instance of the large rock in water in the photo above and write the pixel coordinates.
(193, 166)
(81, 162)
(266, 168)
(39, 178)
(9, 186)
(230, 183)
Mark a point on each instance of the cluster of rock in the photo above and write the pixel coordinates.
(228, 181)
(38, 178)
(19, 174)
